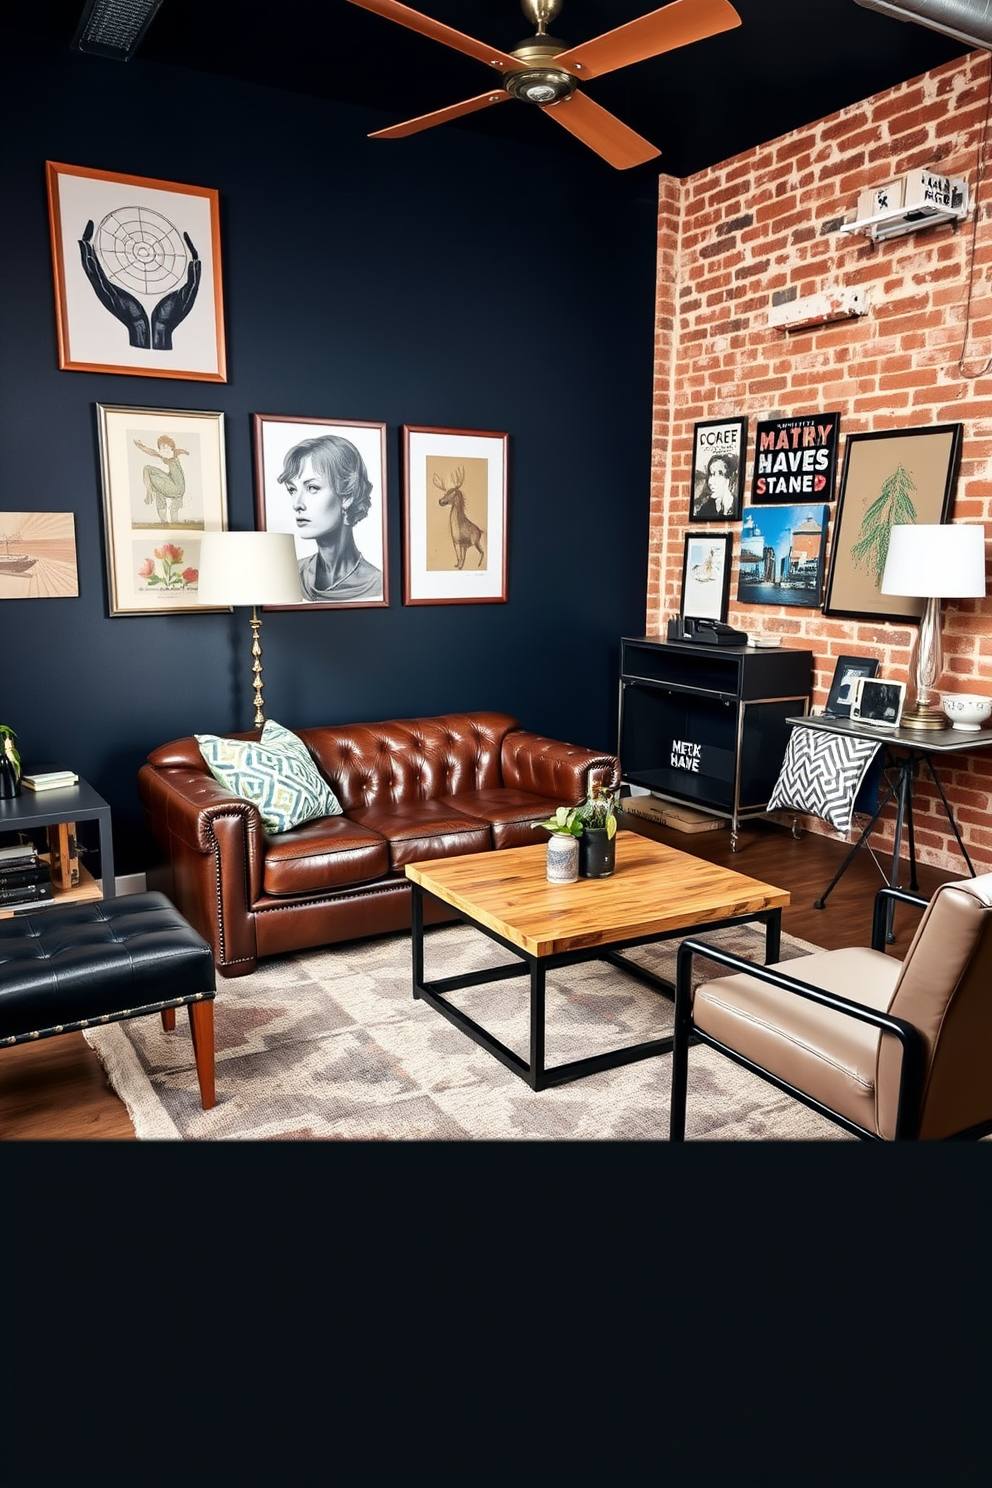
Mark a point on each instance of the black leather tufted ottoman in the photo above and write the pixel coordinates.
(70, 966)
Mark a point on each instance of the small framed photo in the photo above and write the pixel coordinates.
(324, 480)
(889, 477)
(454, 516)
(877, 703)
(137, 275)
(719, 451)
(164, 483)
(846, 673)
(706, 576)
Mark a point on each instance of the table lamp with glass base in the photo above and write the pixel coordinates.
(932, 562)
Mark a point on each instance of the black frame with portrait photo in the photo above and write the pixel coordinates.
(718, 438)
(846, 673)
(274, 436)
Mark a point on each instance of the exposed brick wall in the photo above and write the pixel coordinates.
(762, 228)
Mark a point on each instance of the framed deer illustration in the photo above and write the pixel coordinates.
(454, 516)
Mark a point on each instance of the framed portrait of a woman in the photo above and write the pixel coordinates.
(324, 480)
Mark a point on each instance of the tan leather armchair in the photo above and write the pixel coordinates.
(887, 1049)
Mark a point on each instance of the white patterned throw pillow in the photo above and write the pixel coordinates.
(822, 774)
(276, 773)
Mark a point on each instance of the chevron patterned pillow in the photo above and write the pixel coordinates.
(277, 774)
(822, 774)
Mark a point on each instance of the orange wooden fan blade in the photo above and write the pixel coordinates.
(404, 16)
(441, 116)
(663, 30)
(601, 131)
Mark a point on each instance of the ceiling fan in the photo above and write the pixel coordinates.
(546, 72)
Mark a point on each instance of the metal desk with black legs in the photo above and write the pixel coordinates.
(905, 751)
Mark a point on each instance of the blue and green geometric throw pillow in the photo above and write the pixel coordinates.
(277, 774)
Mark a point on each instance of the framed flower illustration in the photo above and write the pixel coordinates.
(164, 484)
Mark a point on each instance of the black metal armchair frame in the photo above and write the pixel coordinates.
(686, 1033)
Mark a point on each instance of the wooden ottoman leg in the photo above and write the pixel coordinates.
(168, 1019)
(201, 1027)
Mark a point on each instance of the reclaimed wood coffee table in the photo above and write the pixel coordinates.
(657, 893)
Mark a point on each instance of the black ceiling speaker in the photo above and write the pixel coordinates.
(969, 21)
(114, 28)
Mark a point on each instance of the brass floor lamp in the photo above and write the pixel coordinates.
(250, 568)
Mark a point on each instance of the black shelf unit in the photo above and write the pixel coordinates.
(708, 725)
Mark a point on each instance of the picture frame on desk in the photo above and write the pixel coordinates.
(706, 576)
(878, 704)
(847, 670)
(890, 477)
(137, 274)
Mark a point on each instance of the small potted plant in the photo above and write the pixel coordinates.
(10, 763)
(563, 845)
(597, 845)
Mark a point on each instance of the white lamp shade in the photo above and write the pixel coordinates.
(249, 568)
(935, 561)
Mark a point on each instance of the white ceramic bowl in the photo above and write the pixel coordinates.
(966, 710)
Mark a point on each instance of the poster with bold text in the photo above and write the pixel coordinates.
(795, 459)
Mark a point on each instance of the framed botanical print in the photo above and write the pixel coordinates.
(705, 576)
(164, 484)
(137, 274)
(324, 480)
(893, 476)
(719, 452)
(454, 510)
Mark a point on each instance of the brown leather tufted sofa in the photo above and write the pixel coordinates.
(411, 789)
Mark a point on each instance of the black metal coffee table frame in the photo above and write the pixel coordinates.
(534, 1072)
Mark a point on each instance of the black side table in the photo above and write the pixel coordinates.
(73, 803)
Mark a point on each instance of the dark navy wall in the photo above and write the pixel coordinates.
(453, 281)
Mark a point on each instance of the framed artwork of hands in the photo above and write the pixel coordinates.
(137, 275)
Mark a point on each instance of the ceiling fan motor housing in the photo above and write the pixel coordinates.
(539, 81)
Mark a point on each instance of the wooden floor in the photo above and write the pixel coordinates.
(55, 1090)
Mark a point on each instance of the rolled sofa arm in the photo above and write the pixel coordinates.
(213, 842)
(547, 767)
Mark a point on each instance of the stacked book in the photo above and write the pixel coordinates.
(24, 878)
(49, 779)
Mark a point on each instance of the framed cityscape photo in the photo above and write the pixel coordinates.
(719, 450)
(782, 550)
(795, 459)
(454, 516)
(137, 275)
(890, 477)
(164, 483)
(706, 576)
(846, 673)
(324, 480)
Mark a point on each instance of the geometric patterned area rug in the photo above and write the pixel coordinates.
(331, 1045)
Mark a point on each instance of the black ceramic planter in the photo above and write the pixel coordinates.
(10, 778)
(597, 853)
